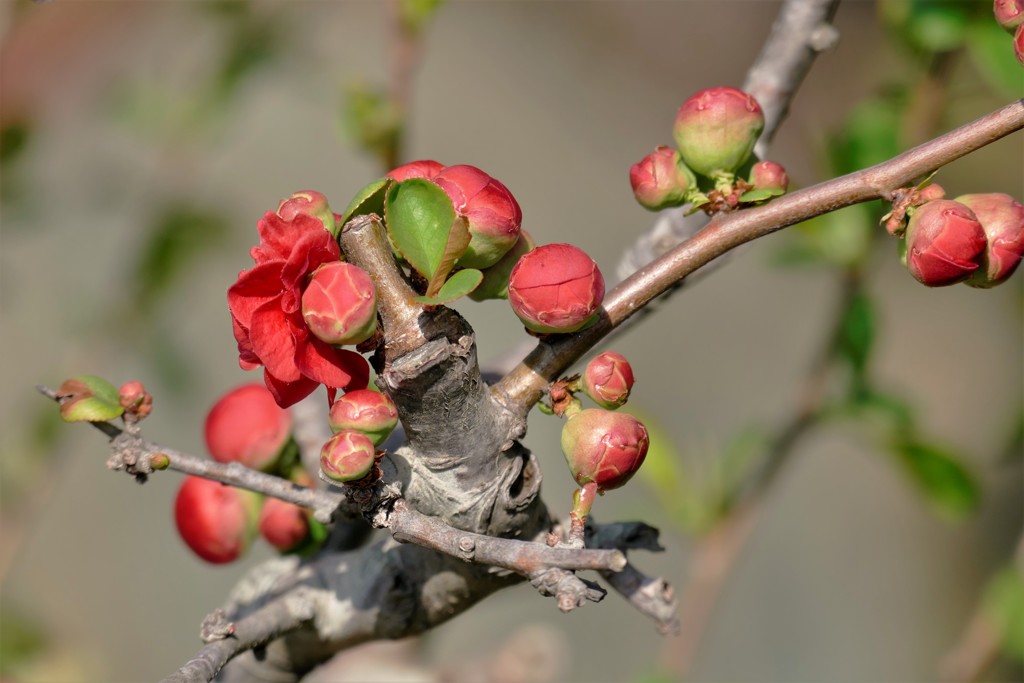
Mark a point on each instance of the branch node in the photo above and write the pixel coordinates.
(216, 626)
(467, 548)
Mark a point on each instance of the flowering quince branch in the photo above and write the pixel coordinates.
(525, 384)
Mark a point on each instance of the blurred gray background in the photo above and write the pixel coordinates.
(850, 576)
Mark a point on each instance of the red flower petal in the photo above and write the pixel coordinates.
(278, 236)
(289, 393)
(254, 288)
(273, 339)
(310, 251)
(338, 368)
(247, 358)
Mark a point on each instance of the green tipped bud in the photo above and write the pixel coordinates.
(604, 448)
(364, 410)
(716, 129)
(347, 457)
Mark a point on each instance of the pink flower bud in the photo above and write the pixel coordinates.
(135, 400)
(1018, 44)
(364, 410)
(416, 169)
(945, 243)
(492, 212)
(768, 175)
(284, 525)
(716, 129)
(246, 425)
(307, 203)
(608, 380)
(1009, 13)
(216, 521)
(1002, 219)
(340, 305)
(555, 288)
(661, 179)
(495, 282)
(347, 457)
(604, 447)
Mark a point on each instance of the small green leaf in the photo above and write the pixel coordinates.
(1004, 606)
(368, 200)
(88, 398)
(760, 195)
(949, 487)
(856, 336)
(421, 221)
(990, 48)
(458, 285)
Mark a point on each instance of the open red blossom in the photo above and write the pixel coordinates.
(266, 313)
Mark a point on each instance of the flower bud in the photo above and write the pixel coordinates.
(768, 175)
(416, 169)
(492, 213)
(307, 203)
(284, 525)
(945, 243)
(495, 282)
(1018, 44)
(1009, 13)
(216, 521)
(716, 129)
(608, 380)
(1002, 219)
(364, 410)
(661, 179)
(604, 447)
(556, 288)
(340, 305)
(135, 400)
(347, 457)
(246, 425)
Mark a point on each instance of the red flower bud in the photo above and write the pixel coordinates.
(246, 425)
(1018, 44)
(347, 457)
(493, 214)
(1009, 13)
(716, 129)
(604, 447)
(661, 179)
(945, 243)
(768, 175)
(135, 400)
(216, 521)
(340, 305)
(284, 525)
(608, 380)
(364, 410)
(1002, 219)
(416, 169)
(307, 203)
(555, 288)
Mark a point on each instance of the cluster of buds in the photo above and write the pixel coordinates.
(602, 448)
(218, 522)
(1010, 15)
(711, 167)
(977, 239)
(361, 421)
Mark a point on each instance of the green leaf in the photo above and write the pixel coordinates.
(870, 134)
(991, 50)
(946, 483)
(421, 221)
(179, 235)
(856, 336)
(760, 195)
(88, 398)
(458, 285)
(841, 238)
(415, 14)
(368, 200)
(1003, 604)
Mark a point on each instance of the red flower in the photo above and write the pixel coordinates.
(266, 313)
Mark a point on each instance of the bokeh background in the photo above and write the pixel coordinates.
(142, 141)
